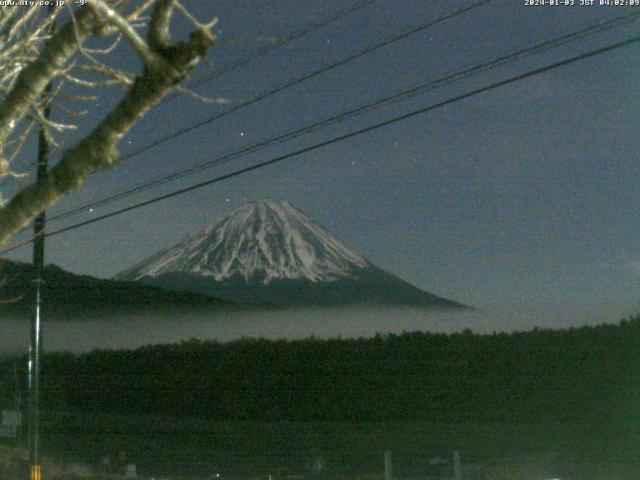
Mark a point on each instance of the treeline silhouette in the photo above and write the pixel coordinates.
(587, 373)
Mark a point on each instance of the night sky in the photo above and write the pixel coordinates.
(523, 198)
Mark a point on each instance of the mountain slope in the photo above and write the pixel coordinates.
(268, 252)
(80, 296)
(261, 241)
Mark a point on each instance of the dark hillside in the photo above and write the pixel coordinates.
(78, 296)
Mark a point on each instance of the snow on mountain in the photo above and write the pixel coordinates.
(261, 241)
(271, 254)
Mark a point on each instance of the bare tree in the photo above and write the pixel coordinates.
(32, 55)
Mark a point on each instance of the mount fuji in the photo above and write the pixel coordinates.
(272, 253)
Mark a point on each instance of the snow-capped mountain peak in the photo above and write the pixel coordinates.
(261, 241)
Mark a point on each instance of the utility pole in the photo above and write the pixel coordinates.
(35, 344)
(16, 405)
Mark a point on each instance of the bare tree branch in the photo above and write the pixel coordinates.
(169, 65)
(136, 41)
(32, 81)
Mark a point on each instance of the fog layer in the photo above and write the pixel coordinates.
(109, 333)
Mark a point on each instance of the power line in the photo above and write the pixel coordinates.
(304, 78)
(341, 117)
(347, 136)
(288, 39)
(279, 43)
